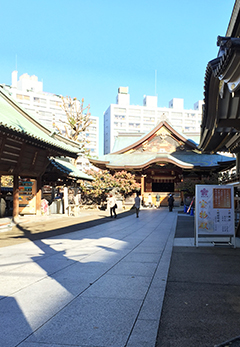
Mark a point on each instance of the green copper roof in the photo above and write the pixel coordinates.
(202, 160)
(123, 141)
(161, 145)
(68, 168)
(139, 159)
(15, 118)
(183, 159)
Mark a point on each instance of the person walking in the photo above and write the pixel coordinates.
(157, 200)
(112, 205)
(137, 204)
(170, 202)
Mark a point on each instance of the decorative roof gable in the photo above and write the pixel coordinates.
(162, 139)
(161, 147)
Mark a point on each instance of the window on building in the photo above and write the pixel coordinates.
(119, 124)
(149, 119)
(92, 128)
(55, 103)
(177, 114)
(149, 112)
(119, 117)
(40, 100)
(147, 126)
(23, 97)
(119, 110)
(135, 111)
(134, 125)
(134, 118)
(176, 121)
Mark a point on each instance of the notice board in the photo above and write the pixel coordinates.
(27, 196)
(214, 211)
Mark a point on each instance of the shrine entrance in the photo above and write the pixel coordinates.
(162, 187)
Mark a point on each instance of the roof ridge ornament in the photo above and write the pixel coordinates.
(227, 42)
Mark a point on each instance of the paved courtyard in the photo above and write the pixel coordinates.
(96, 287)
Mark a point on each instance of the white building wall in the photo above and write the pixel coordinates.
(123, 117)
(47, 108)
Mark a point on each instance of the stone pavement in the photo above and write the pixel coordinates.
(202, 299)
(30, 228)
(96, 281)
(88, 285)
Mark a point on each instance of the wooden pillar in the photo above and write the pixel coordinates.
(142, 184)
(38, 196)
(238, 163)
(15, 196)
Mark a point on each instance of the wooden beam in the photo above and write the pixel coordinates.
(229, 123)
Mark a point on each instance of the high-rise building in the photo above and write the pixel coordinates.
(48, 110)
(123, 117)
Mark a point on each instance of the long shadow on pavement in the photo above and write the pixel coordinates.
(37, 235)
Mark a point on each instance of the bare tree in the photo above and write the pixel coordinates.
(77, 122)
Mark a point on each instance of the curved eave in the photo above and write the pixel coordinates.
(144, 165)
(227, 164)
(234, 23)
(100, 162)
(38, 142)
(69, 170)
(210, 104)
(43, 137)
(221, 110)
(233, 145)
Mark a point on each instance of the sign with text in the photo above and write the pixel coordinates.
(214, 210)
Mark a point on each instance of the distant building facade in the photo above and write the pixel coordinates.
(123, 117)
(47, 108)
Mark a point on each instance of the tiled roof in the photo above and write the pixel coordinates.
(221, 113)
(204, 160)
(14, 118)
(67, 168)
(160, 146)
(148, 135)
(221, 116)
(124, 141)
(185, 160)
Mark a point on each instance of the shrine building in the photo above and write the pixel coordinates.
(160, 160)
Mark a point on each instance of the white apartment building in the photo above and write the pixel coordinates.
(123, 117)
(47, 109)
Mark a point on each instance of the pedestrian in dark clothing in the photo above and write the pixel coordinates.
(112, 205)
(170, 202)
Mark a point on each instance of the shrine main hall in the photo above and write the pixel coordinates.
(161, 160)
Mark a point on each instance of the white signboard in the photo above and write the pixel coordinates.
(214, 210)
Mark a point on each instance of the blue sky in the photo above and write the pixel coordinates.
(87, 49)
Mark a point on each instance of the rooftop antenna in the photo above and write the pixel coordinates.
(155, 82)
